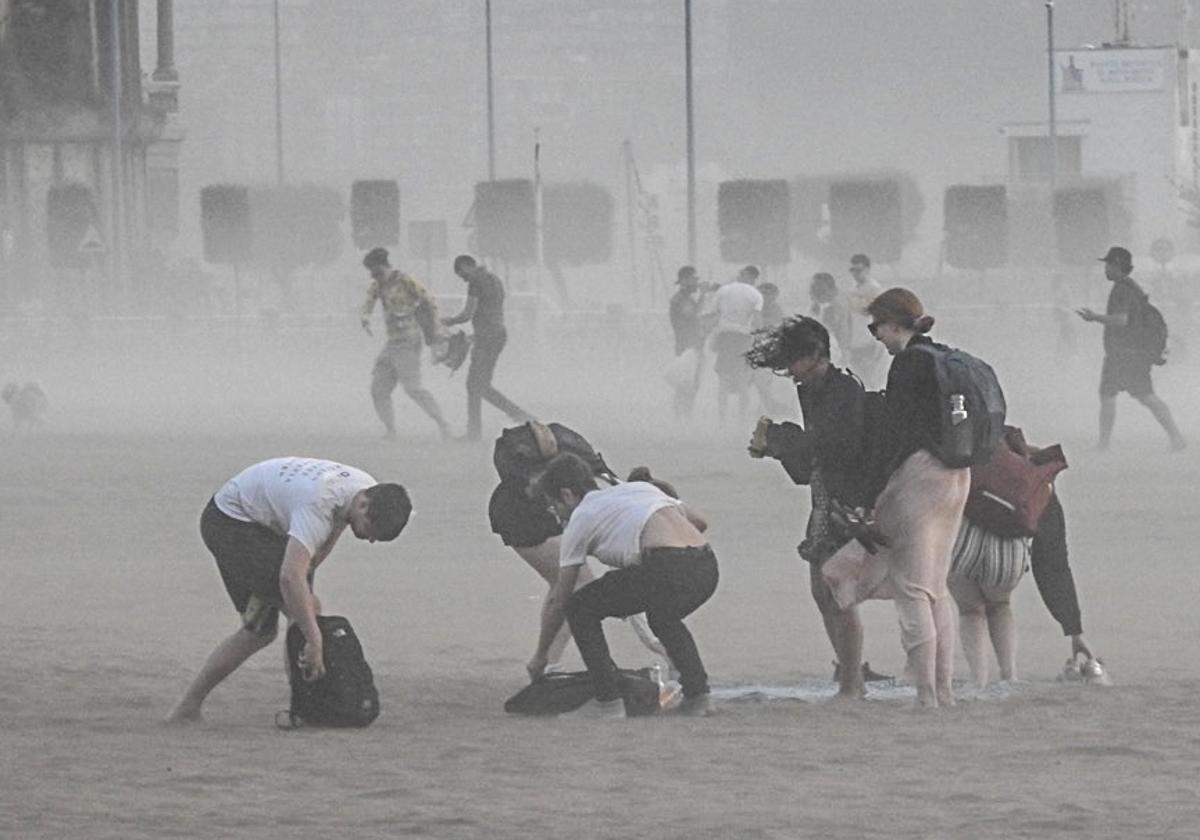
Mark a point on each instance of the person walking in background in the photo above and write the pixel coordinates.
(685, 307)
(863, 355)
(410, 318)
(832, 309)
(738, 311)
(1126, 361)
(484, 308)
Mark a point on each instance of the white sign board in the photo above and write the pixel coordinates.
(1111, 70)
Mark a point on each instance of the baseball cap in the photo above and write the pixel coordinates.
(1119, 255)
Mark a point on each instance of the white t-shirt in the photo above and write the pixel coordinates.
(736, 305)
(608, 524)
(304, 498)
(860, 298)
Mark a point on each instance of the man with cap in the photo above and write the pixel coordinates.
(685, 311)
(1126, 365)
(410, 317)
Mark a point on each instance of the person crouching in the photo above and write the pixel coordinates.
(663, 567)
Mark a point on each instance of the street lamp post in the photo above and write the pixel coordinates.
(491, 111)
(278, 104)
(1050, 80)
(691, 137)
(117, 209)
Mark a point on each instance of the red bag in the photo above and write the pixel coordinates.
(1010, 492)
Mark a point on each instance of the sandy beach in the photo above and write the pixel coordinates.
(110, 603)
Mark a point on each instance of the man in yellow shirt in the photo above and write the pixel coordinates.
(410, 316)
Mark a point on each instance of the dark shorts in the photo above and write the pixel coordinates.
(520, 521)
(1125, 373)
(729, 350)
(249, 557)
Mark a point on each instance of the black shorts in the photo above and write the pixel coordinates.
(249, 557)
(520, 521)
(1126, 373)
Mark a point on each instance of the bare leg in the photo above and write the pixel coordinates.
(544, 560)
(1108, 417)
(222, 662)
(1003, 631)
(845, 631)
(945, 620)
(1163, 415)
(972, 624)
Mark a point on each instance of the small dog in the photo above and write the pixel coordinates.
(27, 403)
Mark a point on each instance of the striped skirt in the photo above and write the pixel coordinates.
(994, 563)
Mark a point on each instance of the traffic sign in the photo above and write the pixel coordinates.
(91, 243)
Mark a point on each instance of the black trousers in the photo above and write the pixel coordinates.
(668, 585)
(485, 352)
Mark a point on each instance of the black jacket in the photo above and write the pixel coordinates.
(833, 437)
(912, 420)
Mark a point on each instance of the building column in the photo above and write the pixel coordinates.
(165, 72)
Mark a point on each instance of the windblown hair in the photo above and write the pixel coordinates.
(901, 307)
(797, 337)
(388, 510)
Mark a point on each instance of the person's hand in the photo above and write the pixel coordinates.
(312, 662)
(1087, 314)
(536, 666)
(366, 325)
(1079, 646)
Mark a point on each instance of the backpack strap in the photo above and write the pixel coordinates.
(547, 444)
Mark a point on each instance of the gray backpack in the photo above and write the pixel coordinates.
(971, 410)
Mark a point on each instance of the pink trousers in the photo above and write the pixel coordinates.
(919, 511)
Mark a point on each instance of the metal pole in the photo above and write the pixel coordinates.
(278, 105)
(1053, 121)
(627, 154)
(691, 137)
(117, 151)
(491, 112)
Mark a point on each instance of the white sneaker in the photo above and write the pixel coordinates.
(599, 710)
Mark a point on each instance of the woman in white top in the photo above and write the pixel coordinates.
(662, 566)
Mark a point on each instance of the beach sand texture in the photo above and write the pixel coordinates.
(110, 603)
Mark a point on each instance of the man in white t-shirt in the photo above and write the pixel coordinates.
(864, 356)
(662, 566)
(737, 307)
(269, 527)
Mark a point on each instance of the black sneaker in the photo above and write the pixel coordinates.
(695, 706)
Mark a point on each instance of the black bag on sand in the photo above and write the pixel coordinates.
(556, 693)
(346, 695)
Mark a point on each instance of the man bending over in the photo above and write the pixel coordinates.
(269, 528)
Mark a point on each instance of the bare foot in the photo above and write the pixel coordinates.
(849, 696)
(184, 714)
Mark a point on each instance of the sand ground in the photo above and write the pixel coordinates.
(109, 603)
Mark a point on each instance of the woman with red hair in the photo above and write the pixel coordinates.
(918, 507)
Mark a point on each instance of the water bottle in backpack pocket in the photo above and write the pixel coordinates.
(971, 407)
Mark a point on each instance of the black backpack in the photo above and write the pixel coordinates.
(972, 407)
(521, 452)
(556, 693)
(1150, 332)
(346, 695)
